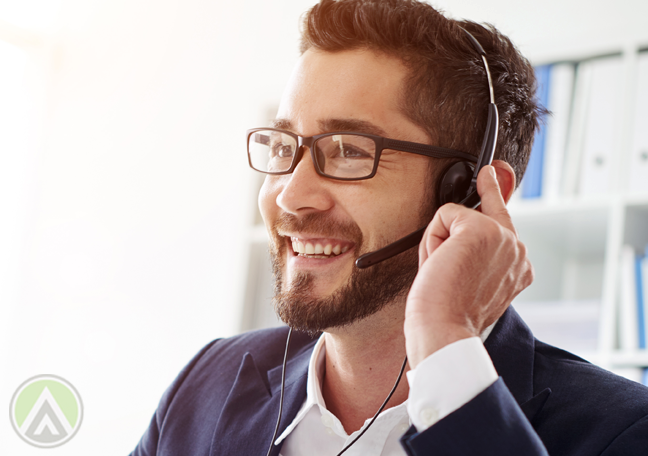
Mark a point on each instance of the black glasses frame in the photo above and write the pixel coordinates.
(380, 142)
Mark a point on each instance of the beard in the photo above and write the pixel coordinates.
(366, 292)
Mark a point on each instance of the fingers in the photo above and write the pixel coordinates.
(433, 237)
(492, 202)
(439, 230)
(450, 217)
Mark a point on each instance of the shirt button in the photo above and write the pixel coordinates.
(429, 416)
(402, 428)
(327, 421)
(330, 431)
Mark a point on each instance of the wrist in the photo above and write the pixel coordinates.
(423, 343)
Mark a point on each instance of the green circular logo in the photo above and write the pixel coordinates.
(46, 411)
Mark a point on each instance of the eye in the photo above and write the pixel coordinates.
(282, 150)
(350, 147)
(351, 151)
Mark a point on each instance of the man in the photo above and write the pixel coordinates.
(395, 69)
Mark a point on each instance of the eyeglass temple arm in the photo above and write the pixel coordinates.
(426, 150)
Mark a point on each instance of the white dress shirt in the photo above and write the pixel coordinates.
(440, 384)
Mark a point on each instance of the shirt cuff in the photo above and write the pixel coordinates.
(448, 379)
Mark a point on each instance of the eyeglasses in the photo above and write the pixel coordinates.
(338, 155)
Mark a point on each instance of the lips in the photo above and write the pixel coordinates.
(319, 247)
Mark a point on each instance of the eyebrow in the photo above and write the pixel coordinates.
(332, 125)
(282, 124)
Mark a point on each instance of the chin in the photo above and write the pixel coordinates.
(306, 305)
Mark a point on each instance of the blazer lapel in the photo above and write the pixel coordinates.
(535, 404)
(511, 346)
(247, 421)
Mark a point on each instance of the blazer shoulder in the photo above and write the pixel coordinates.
(566, 371)
(266, 346)
(589, 406)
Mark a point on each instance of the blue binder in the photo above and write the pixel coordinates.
(532, 182)
(641, 316)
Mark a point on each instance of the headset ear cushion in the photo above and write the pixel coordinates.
(455, 182)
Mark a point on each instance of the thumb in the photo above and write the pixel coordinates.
(492, 201)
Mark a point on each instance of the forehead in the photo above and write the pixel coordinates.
(359, 85)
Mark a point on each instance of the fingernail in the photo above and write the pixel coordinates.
(491, 170)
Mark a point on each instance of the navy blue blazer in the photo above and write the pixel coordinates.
(546, 401)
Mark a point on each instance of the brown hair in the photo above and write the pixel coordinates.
(446, 92)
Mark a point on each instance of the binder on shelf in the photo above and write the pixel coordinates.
(629, 334)
(577, 127)
(642, 295)
(532, 182)
(638, 176)
(561, 84)
(601, 139)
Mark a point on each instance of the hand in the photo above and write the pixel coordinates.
(471, 266)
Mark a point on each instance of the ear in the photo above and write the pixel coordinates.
(505, 178)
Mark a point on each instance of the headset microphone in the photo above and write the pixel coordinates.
(457, 185)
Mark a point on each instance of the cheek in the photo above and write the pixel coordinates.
(383, 214)
(267, 199)
(399, 207)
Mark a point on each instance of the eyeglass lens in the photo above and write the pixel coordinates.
(343, 156)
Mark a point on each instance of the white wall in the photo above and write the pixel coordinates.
(549, 30)
(124, 223)
(124, 189)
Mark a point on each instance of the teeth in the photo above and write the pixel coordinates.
(318, 249)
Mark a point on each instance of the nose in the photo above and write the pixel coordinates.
(304, 190)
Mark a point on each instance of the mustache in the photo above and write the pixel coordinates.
(321, 224)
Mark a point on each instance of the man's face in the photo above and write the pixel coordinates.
(333, 222)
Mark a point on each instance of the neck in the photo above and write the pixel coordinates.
(362, 364)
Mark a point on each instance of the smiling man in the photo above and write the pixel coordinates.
(387, 97)
(316, 291)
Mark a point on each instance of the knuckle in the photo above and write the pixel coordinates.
(529, 275)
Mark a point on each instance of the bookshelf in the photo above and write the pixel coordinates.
(575, 240)
(574, 237)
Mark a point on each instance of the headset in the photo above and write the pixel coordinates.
(459, 182)
(457, 185)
